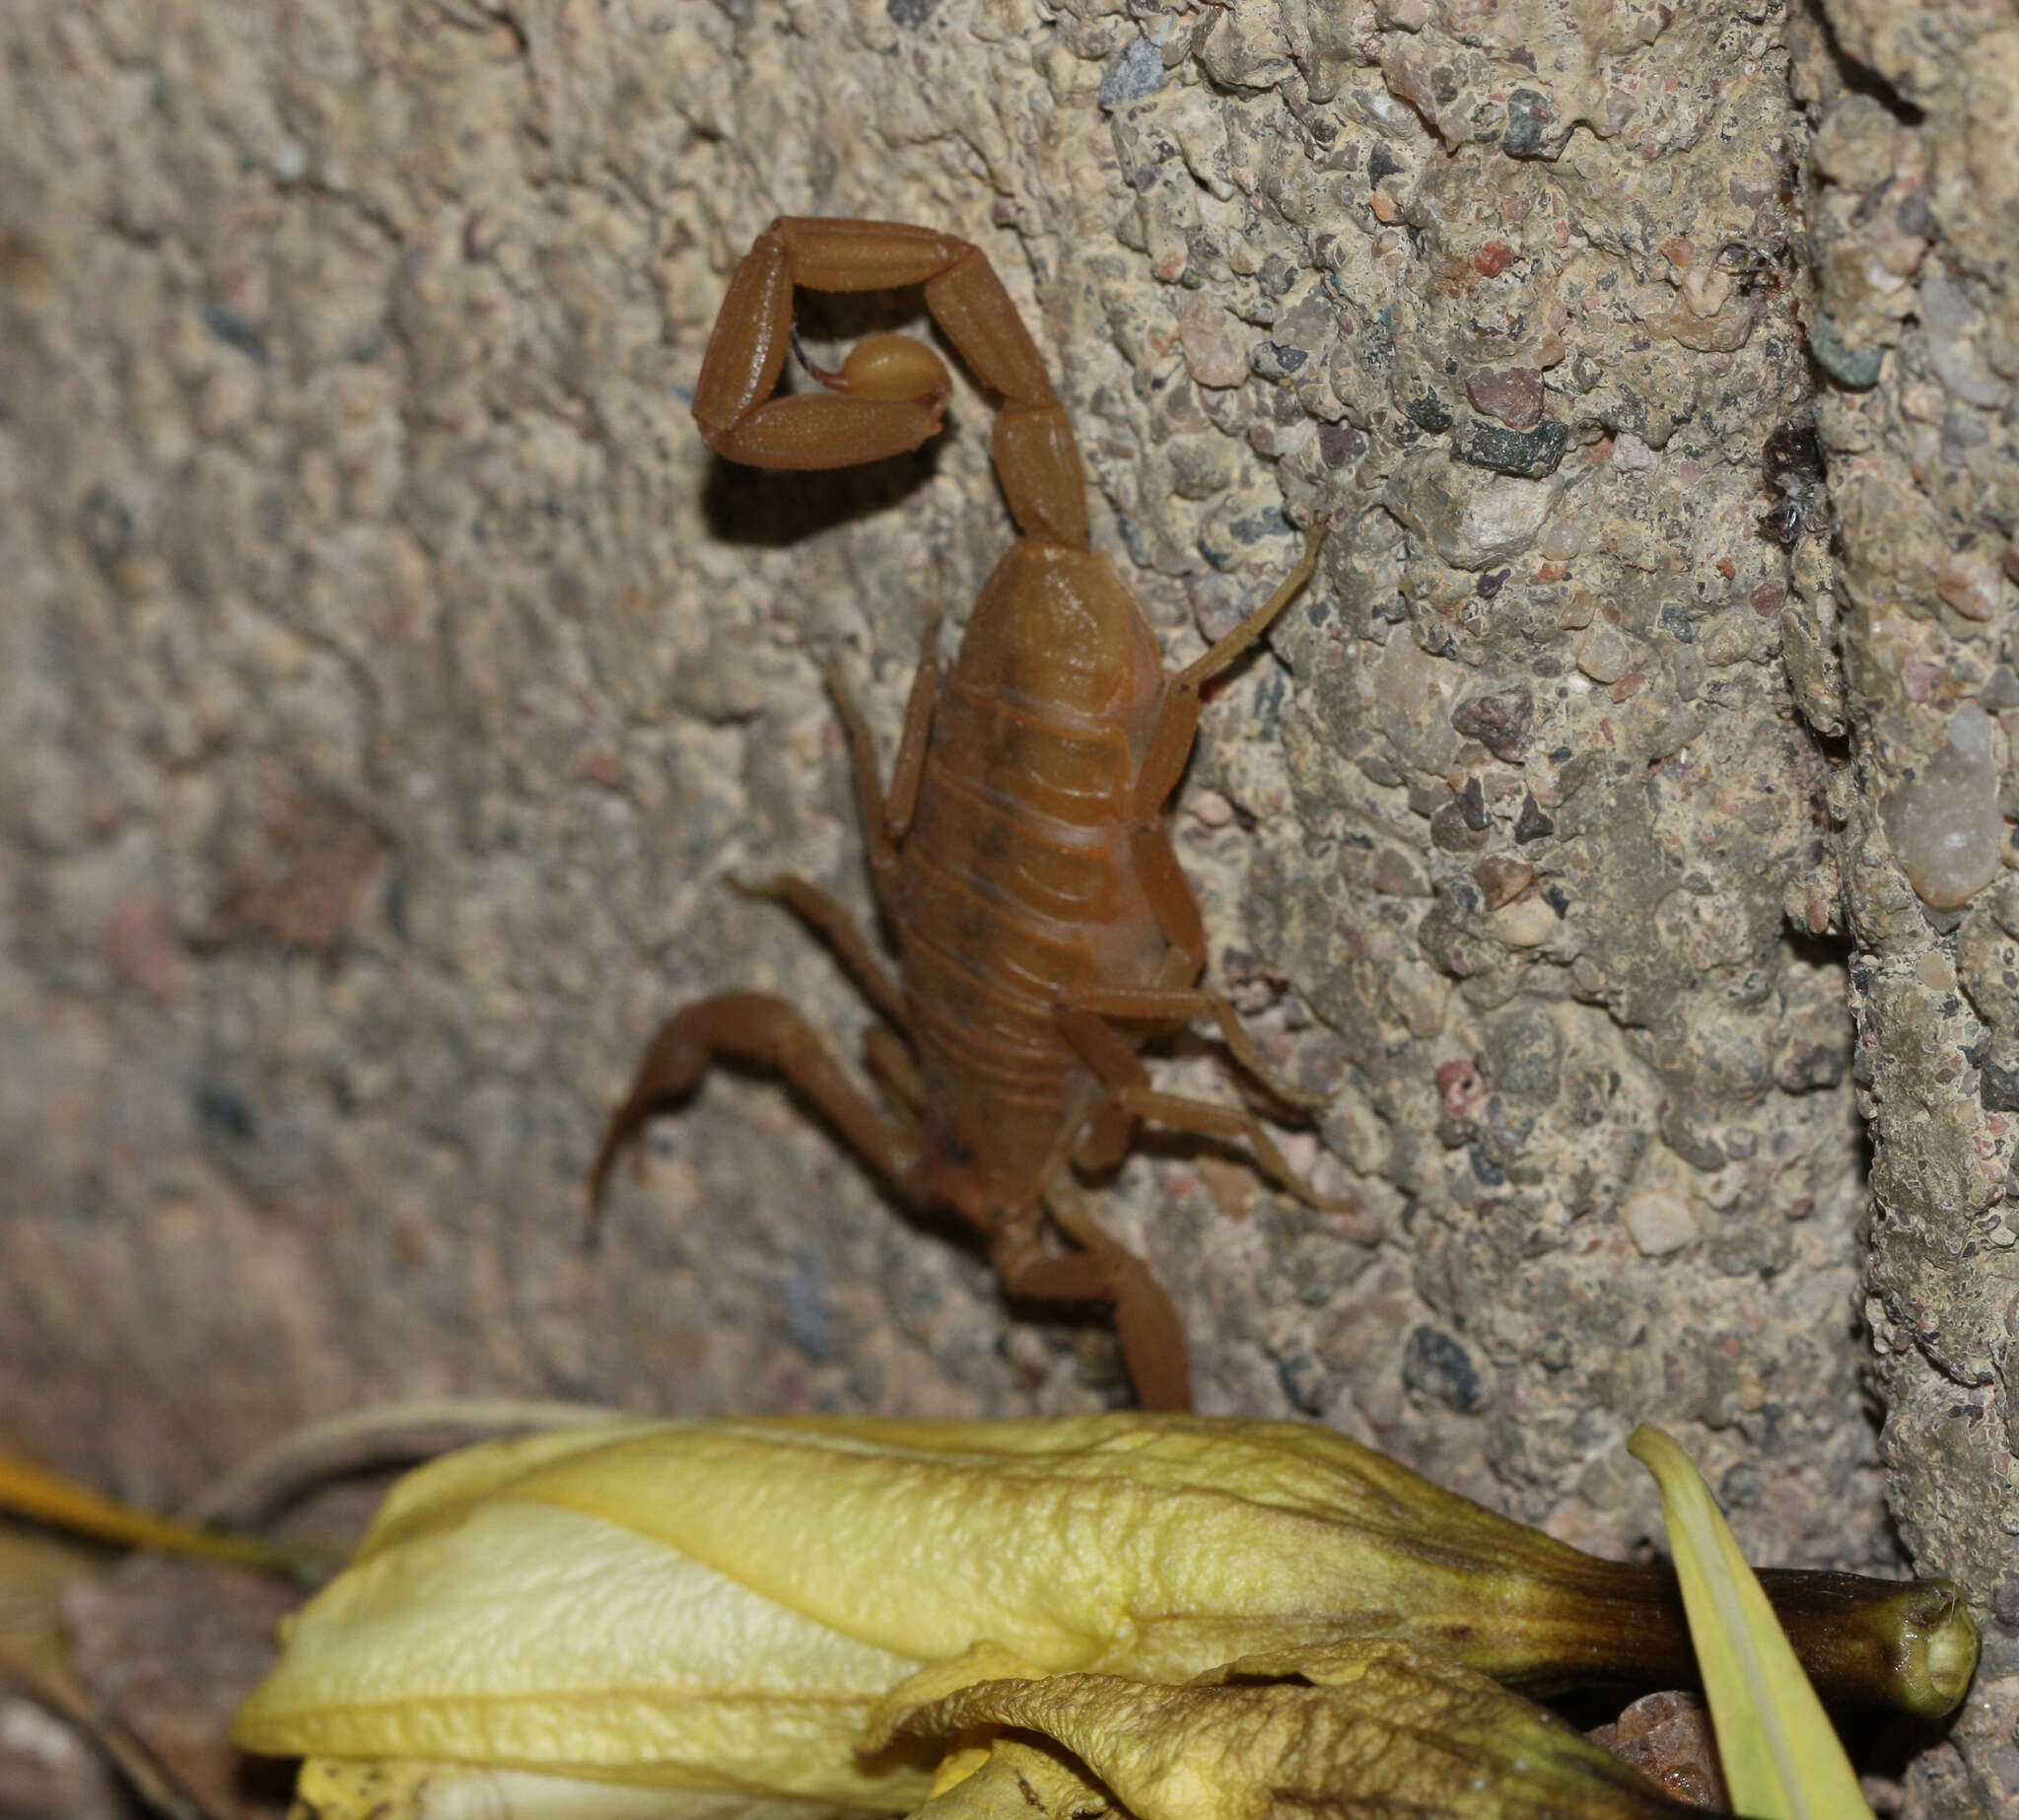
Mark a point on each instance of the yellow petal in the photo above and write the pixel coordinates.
(548, 1639)
(1147, 1546)
(720, 1604)
(1780, 1755)
(335, 1790)
(1391, 1732)
(48, 1496)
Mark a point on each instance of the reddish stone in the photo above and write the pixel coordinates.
(1513, 394)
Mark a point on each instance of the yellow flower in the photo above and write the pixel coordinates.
(719, 1605)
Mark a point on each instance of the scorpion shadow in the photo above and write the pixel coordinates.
(771, 508)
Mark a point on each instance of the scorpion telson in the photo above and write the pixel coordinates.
(1044, 928)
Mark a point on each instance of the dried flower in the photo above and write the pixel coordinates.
(1368, 1726)
(720, 1605)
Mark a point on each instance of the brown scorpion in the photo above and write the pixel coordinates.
(1044, 928)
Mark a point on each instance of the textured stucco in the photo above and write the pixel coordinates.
(1915, 216)
(391, 687)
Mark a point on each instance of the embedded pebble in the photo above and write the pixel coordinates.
(1499, 721)
(1969, 582)
(1562, 537)
(1952, 329)
(1135, 70)
(1472, 520)
(1531, 453)
(1630, 455)
(1435, 1365)
(1213, 356)
(1944, 825)
(1528, 922)
(1659, 1223)
(1854, 145)
(1501, 879)
(1857, 368)
(1513, 394)
(1603, 652)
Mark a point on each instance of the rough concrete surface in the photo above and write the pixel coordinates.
(391, 688)
(1915, 316)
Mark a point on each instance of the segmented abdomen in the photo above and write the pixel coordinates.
(1016, 884)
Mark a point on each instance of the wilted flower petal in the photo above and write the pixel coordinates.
(1383, 1730)
(548, 1639)
(718, 1606)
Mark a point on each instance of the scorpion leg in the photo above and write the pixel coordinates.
(1145, 1322)
(908, 768)
(887, 818)
(891, 1067)
(1132, 1096)
(1178, 1005)
(766, 1032)
(1177, 714)
(830, 921)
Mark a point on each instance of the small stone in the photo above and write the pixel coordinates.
(1205, 333)
(1529, 120)
(1437, 1366)
(1705, 291)
(1452, 832)
(1562, 539)
(1501, 879)
(1133, 71)
(232, 329)
(1208, 808)
(1304, 1382)
(1630, 455)
(1944, 824)
(1475, 521)
(1499, 721)
(1854, 146)
(1603, 652)
(1533, 823)
(1668, 1738)
(1659, 1223)
(1528, 922)
(1427, 411)
(106, 525)
(1742, 1487)
(2005, 1603)
(1395, 875)
(1339, 444)
(1954, 331)
(1855, 367)
(1969, 582)
(1513, 394)
(1532, 453)
(1275, 360)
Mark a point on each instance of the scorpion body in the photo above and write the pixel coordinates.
(1020, 854)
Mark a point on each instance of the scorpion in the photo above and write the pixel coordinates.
(1044, 928)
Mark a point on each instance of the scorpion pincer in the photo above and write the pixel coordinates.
(1044, 929)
